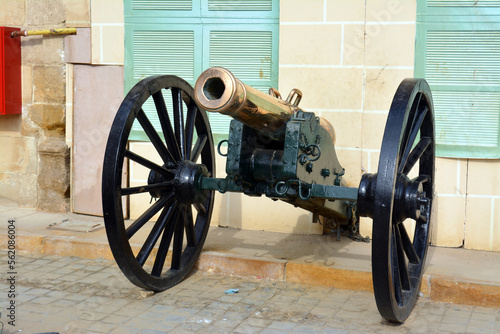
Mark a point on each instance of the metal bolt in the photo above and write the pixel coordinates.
(309, 167)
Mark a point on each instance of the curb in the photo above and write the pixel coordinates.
(437, 288)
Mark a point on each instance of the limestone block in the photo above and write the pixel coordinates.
(12, 12)
(381, 85)
(46, 12)
(42, 50)
(483, 177)
(77, 47)
(18, 188)
(53, 177)
(301, 11)
(448, 219)
(390, 45)
(354, 44)
(451, 176)
(18, 154)
(28, 190)
(28, 127)
(341, 10)
(9, 186)
(53, 146)
(52, 201)
(391, 10)
(109, 11)
(27, 82)
(77, 13)
(324, 48)
(324, 88)
(49, 117)
(49, 85)
(481, 227)
(373, 130)
(113, 45)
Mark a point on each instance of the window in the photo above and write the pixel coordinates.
(184, 37)
(458, 52)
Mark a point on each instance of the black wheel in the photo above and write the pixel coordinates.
(399, 199)
(157, 249)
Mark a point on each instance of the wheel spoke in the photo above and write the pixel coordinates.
(416, 153)
(146, 188)
(190, 121)
(166, 126)
(166, 239)
(198, 147)
(409, 125)
(408, 246)
(154, 235)
(179, 120)
(396, 278)
(200, 208)
(402, 265)
(177, 246)
(414, 130)
(147, 163)
(189, 226)
(147, 215)
(155, 139)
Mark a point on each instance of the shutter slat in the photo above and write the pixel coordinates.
(470, 119)
(463, 3)
(240, 5)
(247, 54)
(162, 4)
(463, 57)
(163, 52)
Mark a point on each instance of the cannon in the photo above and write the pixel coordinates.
(276, 149)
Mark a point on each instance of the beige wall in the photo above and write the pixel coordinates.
(347, 57)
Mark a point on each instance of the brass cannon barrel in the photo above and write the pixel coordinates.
(217, 90)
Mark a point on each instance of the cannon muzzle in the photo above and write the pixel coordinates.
(217, 90)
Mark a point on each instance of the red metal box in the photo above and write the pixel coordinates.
(10, 72)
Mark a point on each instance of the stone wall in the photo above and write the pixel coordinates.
(34, 169)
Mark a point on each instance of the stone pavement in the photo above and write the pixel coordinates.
(73, 295)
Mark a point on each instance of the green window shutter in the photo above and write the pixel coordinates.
(239, 35)
(459, 55)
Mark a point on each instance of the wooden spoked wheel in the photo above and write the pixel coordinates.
(157, 249)
(399, 199)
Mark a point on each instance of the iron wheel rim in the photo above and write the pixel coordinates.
(173, 214)
(391, 266)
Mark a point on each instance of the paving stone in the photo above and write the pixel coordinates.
(125, 330)
(94, 297)
(283, 325)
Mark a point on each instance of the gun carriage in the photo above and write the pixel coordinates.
(274, 149)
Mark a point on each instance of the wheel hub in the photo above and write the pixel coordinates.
(410, 200)
(186, 182)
